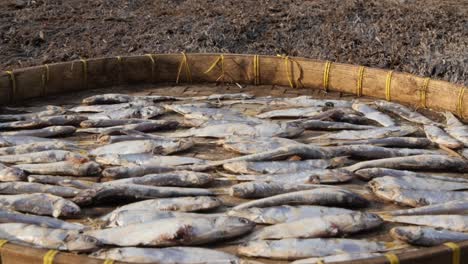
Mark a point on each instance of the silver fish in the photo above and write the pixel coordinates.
(337, 258)
(381, 132)
(438, 136)
(144, 112)
(452, 222)
(114, 98)
(7, 216)
(451, 207)
(251, 145)
(69, 167)
(182, 204)
(30, 187)
(324, 226)
(404, 112)
(36, 147)
(286, 213)
(426, 236)
(300, 101)
(294, 248)
(46, 156)
(6, 141)
(259, 189)
(148, 126)
(107, 107)
(146, 159)
(329, 125)
(234, 96)
(40, 122)
(169, 255)
(176, 179)
(416, 162)
(133, 171)
(133, 191)
(250, 167)
(373, 114)
(131, 217)
(399, 142)
(416, 198)
(318, 176)
(53, 110)
(61, 181)
(456, 129)
(319, 196)
(11, 174)
(292, 113)
(412, 182)
(40, 204)
(175, 231)
(375, 152)
(209, 113)
(371, 173)
(110, 122)
(50, 238)
(52, 131)
(144, 146)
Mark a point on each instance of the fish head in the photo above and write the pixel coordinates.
(150, 111)
(234, 225)
(291, 130)
(93, 168)
(208, 201)
(63, 207)
(406, 233)
(81, 243)
(14, 173)
(369, 220)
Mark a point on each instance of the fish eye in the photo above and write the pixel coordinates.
(329, 104)
(243, 220)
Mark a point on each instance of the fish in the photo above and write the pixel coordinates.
(323, 226)
(426, 236)
(176, 179)
(260, 167)
(49, 238)
(110, 122)
(242, 129)
(52, 131)
(329, 125)
(416, 198)
(398, 142)
(148, 126)
(412, 182)
(373, 114)
(51, 111)
(465, 153)
(174, 231)
(108, 107)
(115, 98)
(318, 196)
(317, 176)
(416, 162)
(292, 113)
(168, 255)
(61, 181)
(210, 113)
(375, 152)
(46, 156)
(31, 187)
(108, 139)
(154, 146)
(233, 96)
(37, 147)
(251, 145)
(337, 258)
(259, 189)
(39, 204)
(40, 122)
(133, 191)
(133, 111)
(180, 204)
(133, 171)
(146, 159)
(11, 174)
(7, 216)
(450, 207)
(440, 137)
(69, 167)
(452, 222)
(300, 248)
(300, 101)
(404, 112)
(371, 173)
(456, 129)
(7, 141)
(381, 132)
(286, 213)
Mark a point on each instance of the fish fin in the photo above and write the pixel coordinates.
(450, 152)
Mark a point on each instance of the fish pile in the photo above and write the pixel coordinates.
(198, 180)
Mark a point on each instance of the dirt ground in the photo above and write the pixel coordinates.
(424, 37)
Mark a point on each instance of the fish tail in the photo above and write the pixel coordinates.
(220, 191)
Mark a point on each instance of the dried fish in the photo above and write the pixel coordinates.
(146, 159)
(169, 255)
(148, 126)
(52, 131)
(380, 132)
(416, 198)
(317, 176)
(176, 179)
(61, 181)
(319, 196)
(259, 189)
(373, 114)
(155, 146)
(110, 122)
(251, 145)
(144, 112)
(438, 136)
(51, 111)
(131, 217)
(10, 174)
(7, 216)
(452, 222)
(234, 96)
(7, 141)
(371, 173)
(46, 156)
(286, 213)
(210, 113)
(375, 152)
(426, 236)
(69, 167)
(300, 101)
(451, 207)
(404, 112)
(40, 204)
(29, 187)
(399, 142)
(133, 171)
(114, 98)
(328, 125)
(337, 258)
(40, 122)
(38, 146)
(456, 129)
(412, 182)
(292, 113)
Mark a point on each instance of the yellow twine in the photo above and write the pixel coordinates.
(359, 81)
(423, 92)
(288, 69)
(326, 75)
(256, 64)
(320, 261)
(218, 60)
(49, 257)
(153, 65)
(13, 84)
(388, 85)
(3, 242)
(455, 252)
(45, 78)
(392, 258)
(108, 261)
(460, 102)
(184, 62)
(85, 71)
